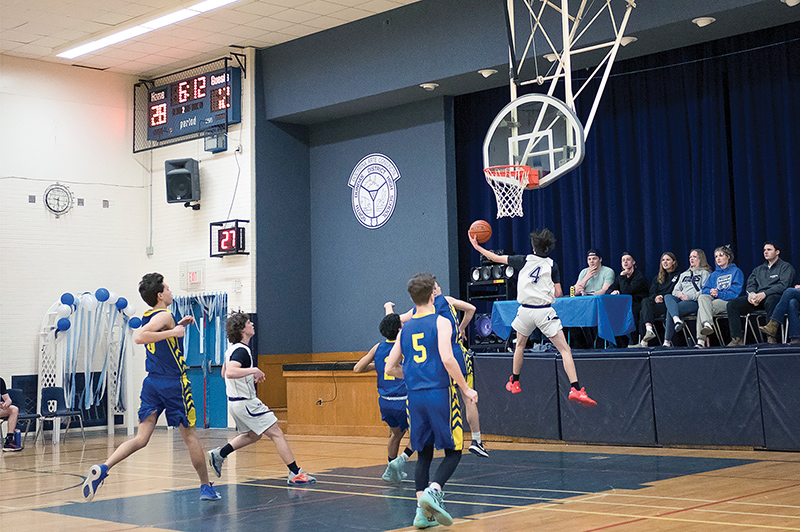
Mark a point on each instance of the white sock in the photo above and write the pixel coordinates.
(649, 327)
(476, 436)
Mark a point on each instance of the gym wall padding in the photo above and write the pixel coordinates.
(707, 399)
(780, 402)
(620, 383)
(530, 414)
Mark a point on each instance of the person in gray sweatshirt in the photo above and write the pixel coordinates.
(683, 299)
(764, 288)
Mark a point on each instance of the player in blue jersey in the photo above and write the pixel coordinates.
(434, 413)
(392, 397)
(165, 389)
(449, 307)
(536, 294)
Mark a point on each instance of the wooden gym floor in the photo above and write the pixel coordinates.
(521, 486)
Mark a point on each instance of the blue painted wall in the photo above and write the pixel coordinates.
(354, 270)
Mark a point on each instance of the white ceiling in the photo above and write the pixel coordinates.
(38, 29)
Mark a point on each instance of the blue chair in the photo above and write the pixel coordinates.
(26, 410)
(55, 406)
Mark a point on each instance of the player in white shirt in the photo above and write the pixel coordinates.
(536, 294)
(253, 418)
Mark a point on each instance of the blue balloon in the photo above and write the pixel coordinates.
(101, 294)
(135, 323)
(121, 303)
(63, 324)
(67, 298)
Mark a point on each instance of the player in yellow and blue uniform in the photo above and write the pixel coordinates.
(165, 389)
(392, 397)
(430, 371)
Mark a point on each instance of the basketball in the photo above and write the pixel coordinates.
(481, 230)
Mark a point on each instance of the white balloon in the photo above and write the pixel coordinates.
(88, 302)
(112, 297)
(129, 311)
(63, 311)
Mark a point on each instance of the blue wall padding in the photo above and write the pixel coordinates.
(780, 402)
(708, 399)
(530, 414)
(621, 386)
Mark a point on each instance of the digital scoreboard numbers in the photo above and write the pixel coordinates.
(227, 238)
(194, 104)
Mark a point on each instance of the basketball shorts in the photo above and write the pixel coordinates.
(434, 418)
(171, 395)
(545, 319)
(252, 415)
(394, 413)
(470, 374)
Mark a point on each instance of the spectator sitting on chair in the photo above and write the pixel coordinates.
(683, 299)
(764, 289)
(596, 279)
(10, 412)
(789, 305)
(653, 305)
(631, 281)
(724, 284)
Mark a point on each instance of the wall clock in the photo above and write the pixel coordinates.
(58, 199)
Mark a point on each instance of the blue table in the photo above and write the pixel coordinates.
(610, 314)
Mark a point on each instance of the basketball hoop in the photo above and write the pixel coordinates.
(508, 183)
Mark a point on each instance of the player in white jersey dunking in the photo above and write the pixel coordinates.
(253, 418)
(536, 294)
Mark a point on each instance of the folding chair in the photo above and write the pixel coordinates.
(751, 325)
(55, 406)
(26, 410)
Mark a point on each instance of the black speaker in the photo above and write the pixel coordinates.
(183, 180)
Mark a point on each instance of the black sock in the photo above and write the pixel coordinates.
(293, 468)
(575, 385)
(515, 377)
(408, 452)
(390, 458)
(225, 451)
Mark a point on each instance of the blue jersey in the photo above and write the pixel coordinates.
(422, 364)
(164, 358)
(388, 386)
(443, 308)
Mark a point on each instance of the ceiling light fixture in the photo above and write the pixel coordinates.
(143, 27)
(625, 41)
(791, 3)
(551, 57)
(429, 86)
(486, 72)
(702, 22)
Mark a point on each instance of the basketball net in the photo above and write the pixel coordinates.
(508, 183)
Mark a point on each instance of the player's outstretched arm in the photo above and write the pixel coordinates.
(494, 257)
(444, 329)
(404, 317)
(394, 360)
(366, 362)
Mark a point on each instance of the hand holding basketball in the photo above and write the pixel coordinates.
(480, 230)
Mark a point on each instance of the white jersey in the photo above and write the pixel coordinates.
(535, 284)
(244, 387)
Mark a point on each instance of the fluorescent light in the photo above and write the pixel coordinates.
(114, 38)
(157, 23)
(429, 86)
(208, 5)
(172, 18)
(625, 41)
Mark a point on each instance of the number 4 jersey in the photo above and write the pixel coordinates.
(537, 276)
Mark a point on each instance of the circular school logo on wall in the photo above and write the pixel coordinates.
(374, 191)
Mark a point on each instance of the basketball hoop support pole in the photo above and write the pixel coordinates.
(607, 71)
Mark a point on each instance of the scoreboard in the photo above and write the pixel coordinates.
(194, 104)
